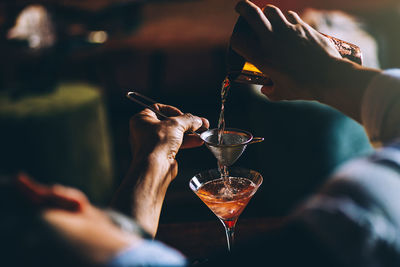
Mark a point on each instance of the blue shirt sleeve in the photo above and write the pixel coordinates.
(356, 214)
(148, 253)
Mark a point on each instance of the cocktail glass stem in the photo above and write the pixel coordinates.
(230, 232)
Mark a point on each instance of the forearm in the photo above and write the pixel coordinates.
(344, 86)
(148, 195)
(370, 96)
(381, 107)
(141, 194)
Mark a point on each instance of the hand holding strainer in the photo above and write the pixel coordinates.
(235, 141)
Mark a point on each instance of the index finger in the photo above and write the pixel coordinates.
(45, 196)
(167, 110)
(275, 16)
(255, 17)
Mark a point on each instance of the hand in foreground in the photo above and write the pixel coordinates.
(78, 229)
(295, 56)
(155, 144)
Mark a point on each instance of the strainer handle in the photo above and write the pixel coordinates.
(256, 140)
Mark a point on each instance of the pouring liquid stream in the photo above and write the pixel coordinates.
(226, 85)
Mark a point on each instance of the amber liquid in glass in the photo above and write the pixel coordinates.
(227, 203)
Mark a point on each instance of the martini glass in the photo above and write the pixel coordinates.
(226, 198)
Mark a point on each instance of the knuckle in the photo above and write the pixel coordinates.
(290, 28)
(159, 136)
(250, 8)
(271, 9)
(194, 120)
(173, 122)
(253, 11)
(190, 116)
(293, 14)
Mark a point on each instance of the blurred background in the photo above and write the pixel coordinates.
(67, 65)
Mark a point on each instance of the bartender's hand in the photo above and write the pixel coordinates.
(301, 62)
(164, 137)
(155, 143)
(294, 55)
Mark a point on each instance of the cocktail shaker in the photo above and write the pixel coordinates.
(244, 72)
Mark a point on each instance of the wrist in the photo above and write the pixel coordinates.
(157, 163)
(343, 86)
(145, 173)
(149, 192)
(153, 170)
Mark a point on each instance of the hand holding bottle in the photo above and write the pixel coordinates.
(285, 48)
(301, 62)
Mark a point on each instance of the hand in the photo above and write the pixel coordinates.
(295, 56)
(301, 62)
(155, 144)
(151, 135)
(87, 232)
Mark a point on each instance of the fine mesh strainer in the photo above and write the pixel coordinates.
(234, 142)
